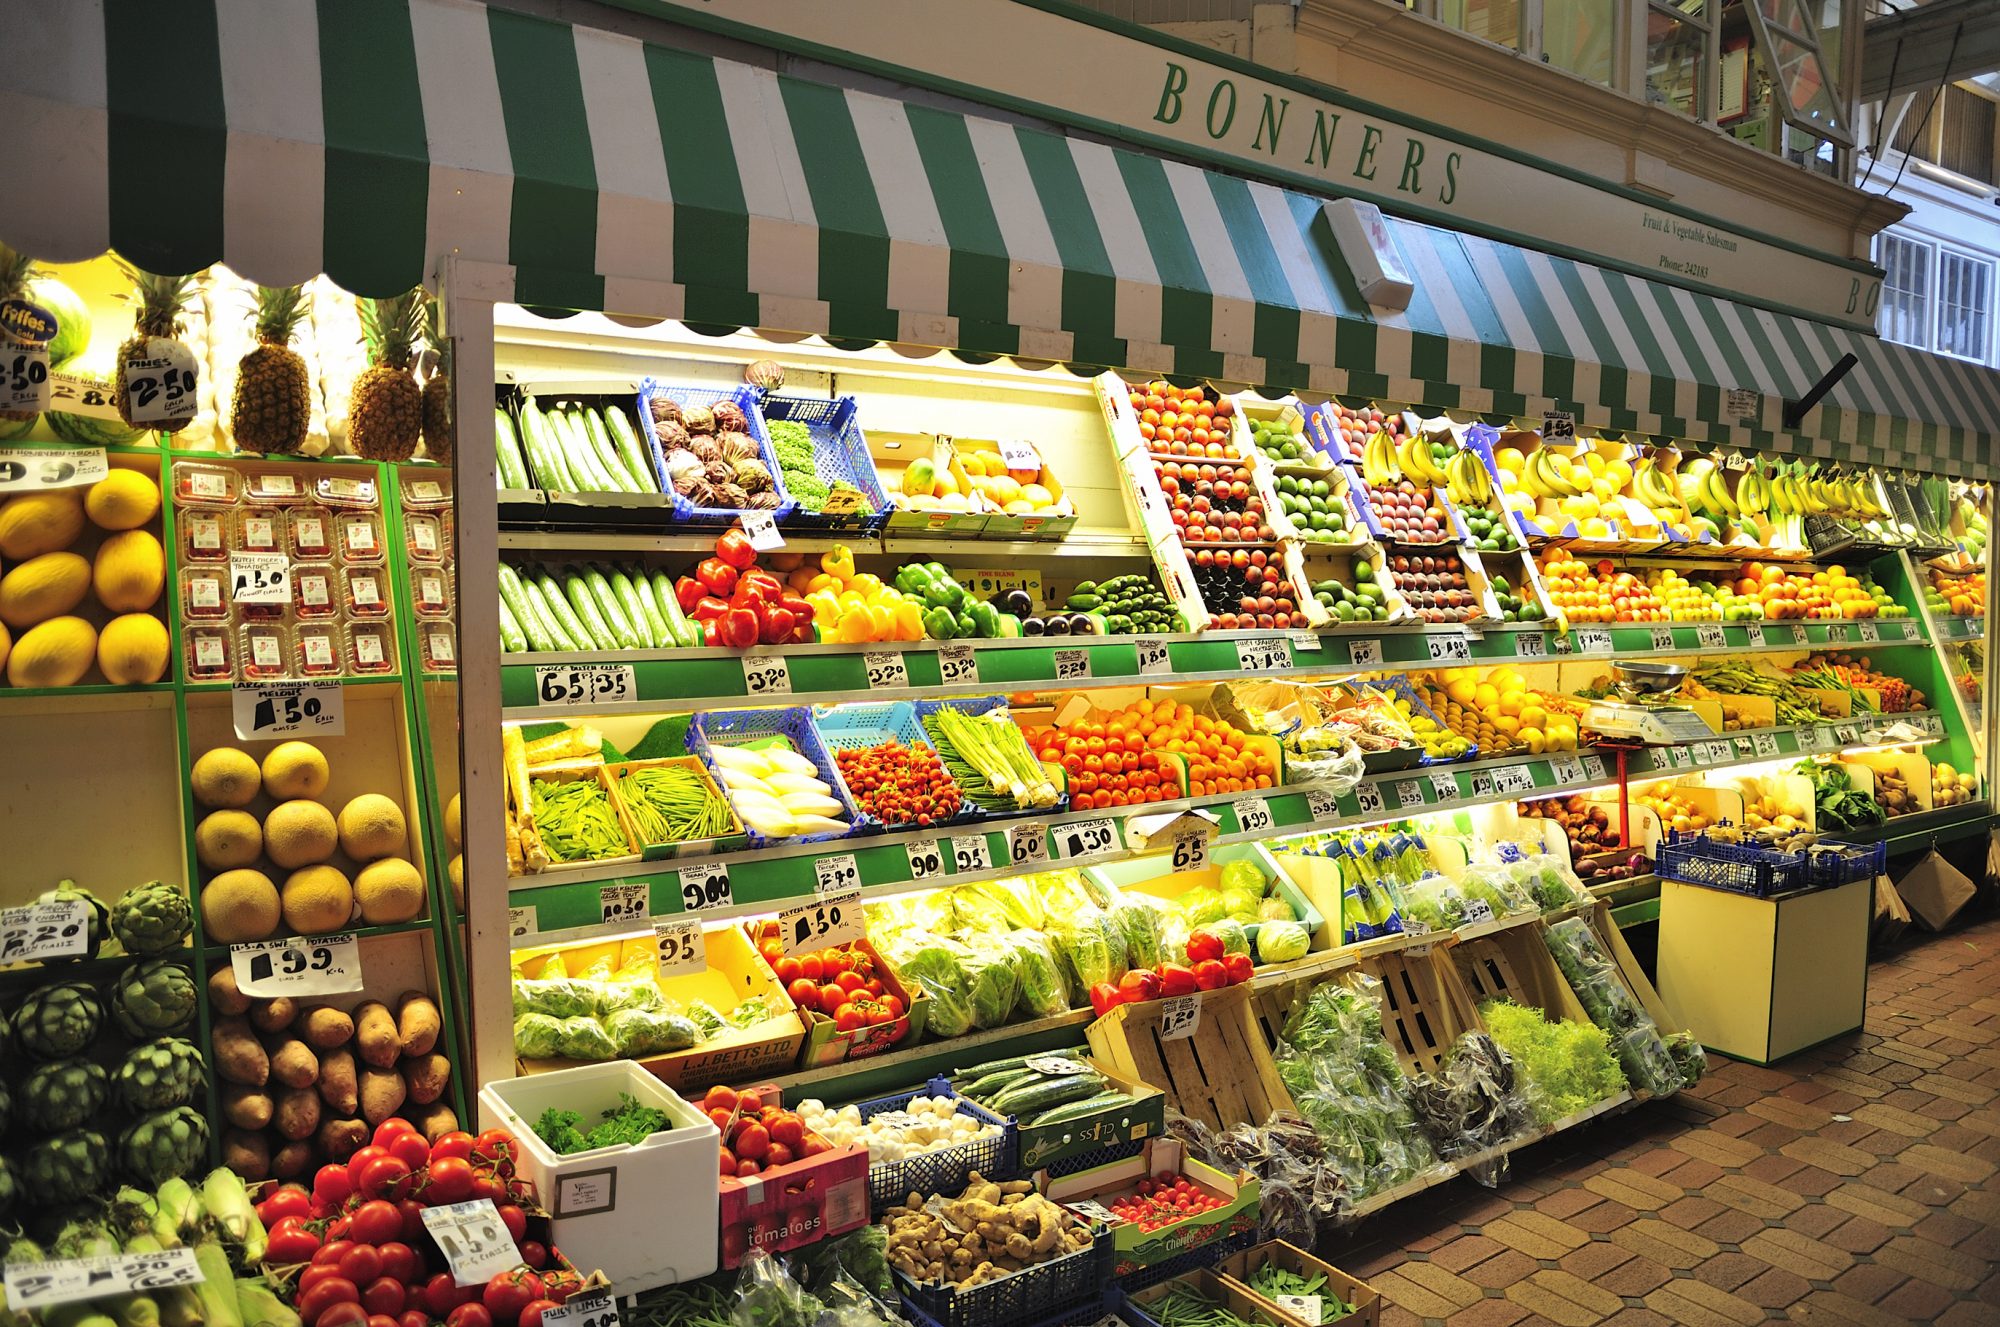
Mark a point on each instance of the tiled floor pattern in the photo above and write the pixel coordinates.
(1854, 1185)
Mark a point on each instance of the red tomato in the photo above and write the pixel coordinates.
(804, 993)
(847, 1018)
(339, 1315)
(380, 1320)
(490, 1186)
(788, 1129)
(410, 1149)
(508, 1293)
(779, 1155)
(341, 1226)
(400, 1260)
(450, 1181)
(331, 1185)
(327, 1293)
(384, 1295)
(286, 1200)
(533, 1252)
(413, 1318)
(331, 1252)
(291, 1242)
(750, 1102)
(753, 1142)
(728, 1166)
(442, 1294)
(315, 1274)
(384, 1176)
(788, 970)
(719, 1097)
(362, 1265)
(772, 950)
(376, 1222)
(359, 1162)
(516, 1222)
(413, 1219)
(831, 997)
(833, 962)
(457, 1143)
(745, 1169)
(559, 1285)
(497, 1149)
(894, 1005)
(531, 1312)
(469, 1315)
(389, 1130)
(721, 1118)
(849, 981)
(811, 968)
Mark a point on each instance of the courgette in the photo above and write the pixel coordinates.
(992, 1085)
(1033, 1098)
(1077, 1110)
(507, 463)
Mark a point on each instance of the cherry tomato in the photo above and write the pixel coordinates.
(457, 1143)
(331, 1185)
(384, 1295)
(327, 1293)
(400, 1260)
(376, 1222)
(516, 1222)
(384, 1175)
(531, 1312)
(410, 1149)
(362, 1264)
(291, 1241)
(442, 1294)
(469, 1315)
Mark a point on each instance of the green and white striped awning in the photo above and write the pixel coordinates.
(367, 138)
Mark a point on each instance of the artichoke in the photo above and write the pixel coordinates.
(151, 918)
(66, 1168)
(9, 1192)
(6, 1105)
(99, 917)
(154, 998)
(58, 1020)
(160, 1146)
(160, 1075)
(63, 1094)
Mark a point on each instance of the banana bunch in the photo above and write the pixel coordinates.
(1543, 480)
(1413, 457)
(1652, 487)
(1378, 462)
(1705, 490)
(1466, 481)
(1753, 491)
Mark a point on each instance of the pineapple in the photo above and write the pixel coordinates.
(386, 415)
(15, 269)
(440, 431)
(273, 405)
(156, 332)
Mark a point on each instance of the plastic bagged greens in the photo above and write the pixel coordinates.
(598, 970)
(1174, 931)
(537, 1036)
(1496, 887)
(1234, 936)
(767, 1296)
(553, 966)
(558, 997)
(1436, 902)
(1090, 950)
(994, 983)
(1044, 992)
(1245, 875)
(1550, 883)
(1137, 921)
(1563, 1067)
(585, 1039)
(1282, 942)
(1648, 1063)
(1061, 893)
(938, 966)
(1593, 977)
(1472, 1103)
(618, 996)
(707, 1019)
(997, 905)
(638, 1032)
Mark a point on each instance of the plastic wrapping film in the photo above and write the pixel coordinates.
(1472, 1103)
(1285, 1154)
(1635, 1039)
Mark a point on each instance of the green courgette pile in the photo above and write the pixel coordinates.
(1032, 1097)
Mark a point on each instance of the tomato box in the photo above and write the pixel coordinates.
(826, 1042)
(796, 1204)
(1152, 1217)
(1239, 1269)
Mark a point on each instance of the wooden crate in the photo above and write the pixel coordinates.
(1516, 965)
(1222, 1074)
(1425, 1007)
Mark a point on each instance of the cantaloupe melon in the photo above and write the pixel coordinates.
(132, 650)
(131, 571)
(122, 500)
(32, 524)
(43, 587)
(300, 832)
(55, 653)
(225, 776)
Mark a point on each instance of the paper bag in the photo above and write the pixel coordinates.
(1935, 890)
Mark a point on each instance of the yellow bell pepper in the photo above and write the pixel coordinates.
(838, 562)
(909, 620)
(853, 628)
(822, 581)
(825, 606)
(866, 584)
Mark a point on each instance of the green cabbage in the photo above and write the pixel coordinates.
(1240, 905)
(1245, 875)
(1062, 893)
(1281, 942)
(1235, 938)
(1013, 901)
(995, 982)
(1201, 904)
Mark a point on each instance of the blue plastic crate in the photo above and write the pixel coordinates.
(1208, 1255)
(840, 454)
(712, 728)
(1061, 1290)
(1112, 1309)
(976, 707)
(1736, 867)
(947, 1170)
(1097, 1156)
(1840, 864)
(857, 727)
(745, 398)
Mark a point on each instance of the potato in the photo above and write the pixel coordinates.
(273, 1015)
(294, 1064)
(338, 1086)
(417, 1023)
(427, 1077)
(433, 1121)
(245, 1152)
(375, 1035)
(297, 1116)
(239, 1056)
(341, 1139)
(293, 1160)
(223, 997)
(382, 1094)
(246, 1107)
(326, 1028)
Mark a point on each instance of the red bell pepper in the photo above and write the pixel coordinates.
(688, 591)
(1140, 984)
(1238, 966)
(739, 628)
(1210, 975)
(1203, 943)
(804, 632)
(760, 587)
(711, 632)
(716, 576)
(708, 608)
(774, 624)
(796, 605)
(1177, 980)
(1104, 997)
(733, 547)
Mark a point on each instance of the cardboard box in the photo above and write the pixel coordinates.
(1144, 1116)
(1230, 1294)
(827, 1044)
(1237, 1269)
(730, 840)
(1091, 1192)
(811, 1199)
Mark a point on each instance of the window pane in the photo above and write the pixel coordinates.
(1965, 296)
(1673, 64)
(1576, 35)
(1905, 291)
(1495, 20)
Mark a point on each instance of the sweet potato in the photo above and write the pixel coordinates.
(246, 1107)
(325, 1028)
(433, 1121)
(223, 997)
(341, 1139)
(375, 1035)
(293, 1160)
(382, 1094)
(427, 1076)
(247, 1153)
(294, 1064)
(417, 1023)
(338, 1086)
(239, 1056)
(297, 1117)
(274, 1015)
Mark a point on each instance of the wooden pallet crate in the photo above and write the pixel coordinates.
(1425, 1007)
(1222, 1074)
(1516, 965)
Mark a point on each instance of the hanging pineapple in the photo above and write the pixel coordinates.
(273, 406)
(156, 335)
(440, 431)
(386, 415)
(37, 309)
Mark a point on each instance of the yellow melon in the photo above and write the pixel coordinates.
(238, 906)
(131, 571)
(225, 777)
(132, 649)
(43, 587)
(122, 500)
(32, 524)
(55, 653)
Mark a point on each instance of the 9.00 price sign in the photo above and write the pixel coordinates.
(705, 886)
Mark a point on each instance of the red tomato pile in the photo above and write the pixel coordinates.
(840, 984)
(900, 785)
(367, 1259)
(1163, 1200)
(758, 1137)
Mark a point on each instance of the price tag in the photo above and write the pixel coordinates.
(23, 469)
(1072, 665)
(1305, 640)
(1593, 640)
(59, 929)
(1322, 804)
(1454, 648)
(926, 858)
(1558, 426)
(1369, 797)
(474, 1240)
(1710, 636)
(304, 965)
(622, 903)
(1798, 634)
(1482, 784)
(1028, 842)
(1265, 655)
(1476, 911)
(522, 922)
(1849, 734)
(274, 709)
(1663, 638)
(1755, 631)
(886, 669)
(957, 664)
(41, 1284)
(570, 685)
(1513, 779)
(1083, 838)
(1559, 643)
(161, 385)
(1306, 1308)
(1180, 1015)
(260, 578)
(835, 875)
(24, 377)
(1744, 747)
(827, 922)
(1409, 793)
(1365, 653)
(1253, 815)
(762, 527)
(1020, 454)
(593, 1309)
(1444, 787)
(705, 885)
(1717, 753)
(766, 675)
(1680, 757)
(1092, 1210)
(1566, 770)
(1532, 644)
(1869, 631)
(681, 948)
(1836, 633)
(1594, 768)
(1152, 652)
(1190, 850)
(1907, 630)
(968, 853)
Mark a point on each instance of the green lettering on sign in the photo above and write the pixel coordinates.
(1170, 95)
(1413, 157)
(1322, 140)
(1273, 119)
(1364, 165)
(1229, 112)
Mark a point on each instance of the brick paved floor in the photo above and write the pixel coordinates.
(1853, 1185)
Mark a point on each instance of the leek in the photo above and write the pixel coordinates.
(994, 747)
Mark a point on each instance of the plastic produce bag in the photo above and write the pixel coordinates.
(1044, 991)
(1085, 941)
(1472, 1103)
(560, 997)
(938, 966)
(767, 1296)
(994, 982)
(997, 905)
(638, 1032)
(1137, 920)
(1689, 1056)
(618, 996)
(1550, 883)
(585, 1039)
(537, 1036)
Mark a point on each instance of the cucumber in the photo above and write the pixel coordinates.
(1038, 1096)
(984, 1090)
(622, 631)
(995, 1066)
(544, 457)
(556, 605)
(663, 632)
(512, 639)
(650, 636)
(513, 609)
(577, 588)
(686, 634)
(545, 630)
(1077, 1110)
(507, 461)
(638, 458)
(603, 452)
(581, 455)
(635, 475)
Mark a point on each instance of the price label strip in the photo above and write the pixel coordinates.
(1364, 653)
(681, 948)
(60, 929)
(1532, 644)
(705, 886)
(1180, 1016)
(968, 853)
(886, 669)
(1663, 638)
(1264, 656)
(1409, 794)
(1028, 842)
(1369, 797)
(35, 469)
(1593, 640)
(1566, 769)
(1190, 850)
(1072, 665)
(957, 665)
(926, 858)
(1711, 636)
(1454, 648)
(762, 527)
(522, 921)
(568, 685)
(836, 875)
(828, 921)
(303, 965)
(1152, 653)
(160, 386)
(593, 1308)
(621, 903)
(474, 1240)
(260, 578)
(1444, 787)
(43, 1284)
(766, 675)
(1253, 815)
(24, 377)
(278, 709)
(1322, 804)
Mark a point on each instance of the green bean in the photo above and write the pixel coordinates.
(671, 804)
(576, 822)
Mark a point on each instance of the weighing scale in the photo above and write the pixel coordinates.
(1644, 716)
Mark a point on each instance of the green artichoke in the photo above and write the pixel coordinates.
(6, 1105)
(9, 1192)
(160, 1146)
(58, 1020)
(160, 1075)
(100, 917)
(63, 1094)
(151, 918)
(66, 1168)
(154, 998)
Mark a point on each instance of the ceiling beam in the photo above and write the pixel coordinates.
(1918, 44)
